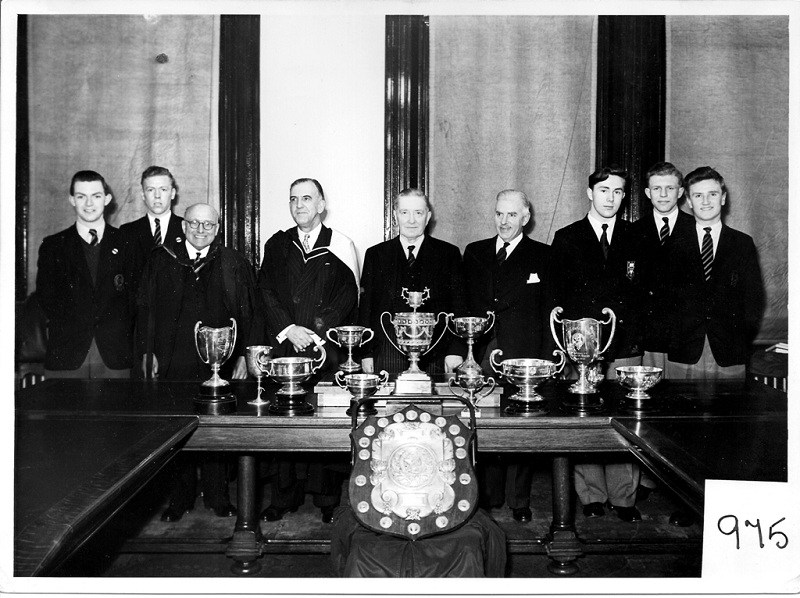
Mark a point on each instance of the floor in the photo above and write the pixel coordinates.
(133, 544)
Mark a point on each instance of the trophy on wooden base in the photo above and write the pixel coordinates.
(215, 346)
(414, 331)
(291, 372)
(362, 386)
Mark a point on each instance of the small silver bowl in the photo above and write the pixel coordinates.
(638, 379)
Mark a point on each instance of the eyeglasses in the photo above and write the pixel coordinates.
(194, 225)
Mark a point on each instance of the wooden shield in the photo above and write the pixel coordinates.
(412, 473)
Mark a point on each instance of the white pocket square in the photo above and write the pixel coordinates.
(534, 277)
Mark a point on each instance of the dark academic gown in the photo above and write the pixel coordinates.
(727, 309)
(586, 283)
(173, 296)
(653, 258)
(438, 268)
(81, 307)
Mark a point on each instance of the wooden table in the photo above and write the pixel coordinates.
(561, 432)
(73, 472)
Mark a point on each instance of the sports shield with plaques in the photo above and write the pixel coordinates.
(413, 473)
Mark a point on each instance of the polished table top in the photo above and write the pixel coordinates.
(72, 472)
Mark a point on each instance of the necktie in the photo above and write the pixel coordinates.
(411, 259)
(707, 252)
(157, 234)
(604, 242)
(501, 255)
(306, 247)
(94, 240)
(664, 232)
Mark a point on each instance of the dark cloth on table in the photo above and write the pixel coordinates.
(81, 307)
(477, 549)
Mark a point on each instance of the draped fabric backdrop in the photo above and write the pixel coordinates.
(100, 100)
(512, 105)
(729, 109)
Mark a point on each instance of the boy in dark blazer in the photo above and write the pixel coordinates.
(415, 261)
(510, 275)
(596, 267)
(713, 281)
(84, 282)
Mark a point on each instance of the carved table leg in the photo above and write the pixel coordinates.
(563, 546)
(245, 545)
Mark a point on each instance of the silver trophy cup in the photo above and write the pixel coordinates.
(526, 373)
(362, 386)
(291, 372)
(414, 332)
(257, 358)
(215, 346)
(581, 341)
(469, 384)
(350, 337)
(470, 328)
(638, 379)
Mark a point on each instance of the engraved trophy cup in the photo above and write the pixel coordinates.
(414, 331)
(638, 379)
(257, 358)
(526, 373)
(291, 372)
(215, 346)
(362, 386)
(350, 337)
(581, 341)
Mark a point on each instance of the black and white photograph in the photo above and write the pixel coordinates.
(306, 294)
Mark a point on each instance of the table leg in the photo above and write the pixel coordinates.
(245, 545)
(563, 546)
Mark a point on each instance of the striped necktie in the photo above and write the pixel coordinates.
(157, 235)
(411, 258)
(707, 253)
(664, 232)
(94, 240)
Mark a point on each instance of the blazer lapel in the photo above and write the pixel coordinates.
(76, 255)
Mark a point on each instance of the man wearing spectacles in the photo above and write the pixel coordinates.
(199, 280)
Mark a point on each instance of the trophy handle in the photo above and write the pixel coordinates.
(453, 386)
(330, 338)
(321, 360)
(613, 321)
(404, 294)
(491, 315)
(339, 377)
(425, 297)
(447, 321)
(383, 379)
(488, 392)
(263, 358)
(389, 338)
(233, 343)
(557, 311)
(444, 330)
(369, 338)
(493, 362)
(560, 364)
(196, 328)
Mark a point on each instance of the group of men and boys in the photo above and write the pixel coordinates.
(685, 288)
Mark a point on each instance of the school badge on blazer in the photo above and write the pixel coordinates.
(630, 269)
(413, 473)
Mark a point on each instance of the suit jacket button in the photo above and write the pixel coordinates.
(296, 299)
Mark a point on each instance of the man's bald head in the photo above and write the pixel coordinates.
(200, 225)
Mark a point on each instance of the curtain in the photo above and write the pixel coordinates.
(729, 109)
(512, 106)
(116, 94)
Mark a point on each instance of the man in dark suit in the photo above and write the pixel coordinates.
(715, 291)
(199, 280)
(84, 283)
(596, 266)
(159, 225)
(510, 275)
(415, 261)
(655, 234)
(309, 284)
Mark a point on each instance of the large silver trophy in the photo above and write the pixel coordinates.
(291, 372)
(350, 337)
(469, 376)
(581, 341)
(526, 373)
(414, 331)
(362, 386)
(215, 346)
(257, 358)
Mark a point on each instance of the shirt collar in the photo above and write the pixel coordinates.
(417, 244)
(597, 225)
(672, 217)
(163, 219)
(313, 235)
(83, 230)
(511, 244)
(192, 251)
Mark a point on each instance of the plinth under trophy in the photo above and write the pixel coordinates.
(215, 346)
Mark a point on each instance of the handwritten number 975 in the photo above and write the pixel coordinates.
(729, 526)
